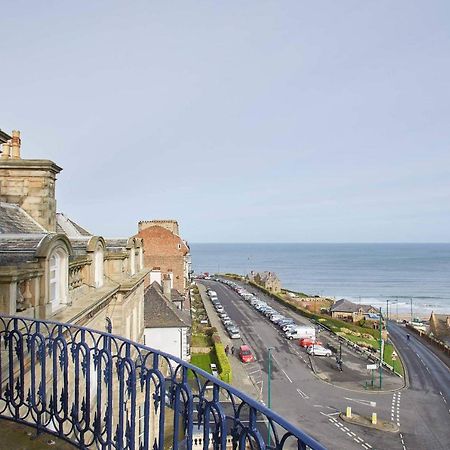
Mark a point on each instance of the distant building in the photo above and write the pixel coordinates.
(351, 312)
(440, 327)
(166, 253)
(268, 280)
(166, 327)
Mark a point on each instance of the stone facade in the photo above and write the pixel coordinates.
(268, 280)
(165, 252)
(50, 267)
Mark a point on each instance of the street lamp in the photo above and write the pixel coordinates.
(269, 393)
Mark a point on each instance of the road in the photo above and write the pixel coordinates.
(427, 398)
(297, 394)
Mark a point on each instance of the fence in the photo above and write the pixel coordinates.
(98, 390)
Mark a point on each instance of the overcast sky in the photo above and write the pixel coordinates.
(247, 121)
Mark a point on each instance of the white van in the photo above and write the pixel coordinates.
(301, 332)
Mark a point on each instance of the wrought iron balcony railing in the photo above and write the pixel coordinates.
(98, 390)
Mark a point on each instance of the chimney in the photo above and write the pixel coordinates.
(6, 150)
(29, 183)
(167, 287)
(15, 145)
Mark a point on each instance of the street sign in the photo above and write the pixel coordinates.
(372, 366)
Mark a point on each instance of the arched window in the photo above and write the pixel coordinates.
(58, 278)
(98, 266)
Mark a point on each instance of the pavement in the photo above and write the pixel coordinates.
(297, 394)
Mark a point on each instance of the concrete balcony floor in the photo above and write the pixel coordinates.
(15, 436)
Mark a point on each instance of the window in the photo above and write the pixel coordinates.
(58, 278)
(98, 266)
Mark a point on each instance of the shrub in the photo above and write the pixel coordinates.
(216, 338)
(210, 331)
(223, 363)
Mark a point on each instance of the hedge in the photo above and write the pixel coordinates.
(223, 362)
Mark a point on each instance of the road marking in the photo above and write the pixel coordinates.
(362, 401)
(365, 446)
(302, 394)
(287, 376)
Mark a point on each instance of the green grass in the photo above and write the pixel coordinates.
(203, 360)
(387, 357)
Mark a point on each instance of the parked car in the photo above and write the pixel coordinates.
(223, 314)
(245, 354)
(219, 308)
(234, 333)
(318, 350)
(307, 342)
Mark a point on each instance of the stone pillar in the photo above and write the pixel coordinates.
(6, 150)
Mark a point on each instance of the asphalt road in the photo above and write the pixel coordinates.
(297, 394)
(427, 399)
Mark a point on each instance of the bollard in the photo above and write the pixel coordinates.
(349, 412)
(374, 418)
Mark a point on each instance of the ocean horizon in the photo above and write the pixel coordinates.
(369, 273)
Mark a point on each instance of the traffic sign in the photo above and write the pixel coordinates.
(372, 366)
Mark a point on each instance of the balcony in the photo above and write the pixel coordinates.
(97, 390)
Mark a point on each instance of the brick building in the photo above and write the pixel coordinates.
(166, 253)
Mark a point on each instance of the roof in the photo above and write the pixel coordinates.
(69, 227)
(344, 305)
(439, 324)
(4, 137)
(13, 219)
(160, 313)
(16, 249)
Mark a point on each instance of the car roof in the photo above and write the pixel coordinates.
(244, 347)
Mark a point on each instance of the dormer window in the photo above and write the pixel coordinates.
(58, 278)
(98, 266)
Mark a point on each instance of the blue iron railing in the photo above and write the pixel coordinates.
(98, 390)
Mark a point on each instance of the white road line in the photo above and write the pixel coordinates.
(287, 376)
(365, 446)
(302, 394)
(368, 445)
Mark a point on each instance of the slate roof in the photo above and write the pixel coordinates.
(344, 305)
(16, 248)
(13, 219)
(160, 313)
(69, 227)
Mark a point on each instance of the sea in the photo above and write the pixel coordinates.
(411, 276)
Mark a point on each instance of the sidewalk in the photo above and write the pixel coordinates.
(240, 378)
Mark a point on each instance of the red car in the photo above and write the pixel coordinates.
(245, 354)
(306, 342)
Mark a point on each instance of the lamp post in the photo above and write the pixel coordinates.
(269, 393)
(381, 350)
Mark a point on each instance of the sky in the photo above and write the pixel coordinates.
(247, 121)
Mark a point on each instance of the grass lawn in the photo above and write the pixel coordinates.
(203, 360)
(387, 356)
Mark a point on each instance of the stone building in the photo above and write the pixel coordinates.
(166, 253)
(351, 312)
(268, 280)
(440, 327)
(51, 267)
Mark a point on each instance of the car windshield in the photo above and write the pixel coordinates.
(246, 352)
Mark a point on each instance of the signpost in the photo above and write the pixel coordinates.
(394, 358)
(372, 368)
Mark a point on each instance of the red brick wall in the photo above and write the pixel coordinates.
(165, 250)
